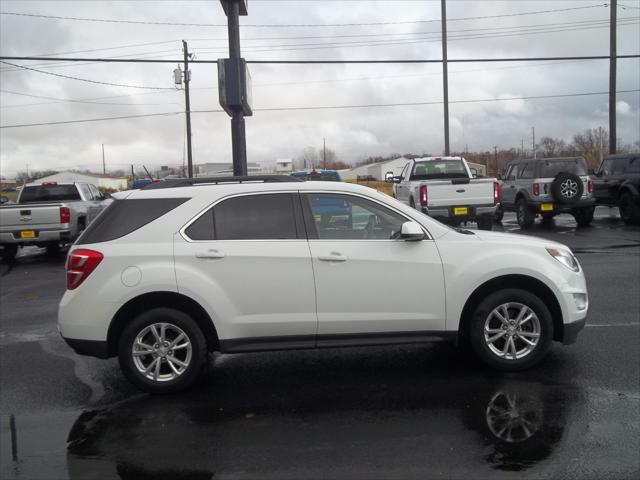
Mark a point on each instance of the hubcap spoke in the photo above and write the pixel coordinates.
(501, 334)
(177, 362)
(526, 340)
(152, 365)
(176, 340)
(529, 334)
(155, 333)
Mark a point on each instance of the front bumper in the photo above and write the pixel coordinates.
(448, 211)
(571, 331)
(92, 348)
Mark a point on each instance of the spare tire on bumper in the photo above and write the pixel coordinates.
(567, 188)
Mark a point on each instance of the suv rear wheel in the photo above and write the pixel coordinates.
(485, 222)
(524, 214)
(511, 330)
(162, 351)
(629, 211)
(583, 216)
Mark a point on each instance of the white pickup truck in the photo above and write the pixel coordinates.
(445, 187)
(48, 215)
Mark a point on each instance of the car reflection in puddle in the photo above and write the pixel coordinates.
(385, 430)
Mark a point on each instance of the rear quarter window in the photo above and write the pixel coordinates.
(577, 166)
(122, 217)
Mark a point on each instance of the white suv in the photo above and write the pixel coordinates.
(166, 274)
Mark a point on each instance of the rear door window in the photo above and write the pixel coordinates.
(513, 172)
(527, 170)
(633, 165)
(251, 217)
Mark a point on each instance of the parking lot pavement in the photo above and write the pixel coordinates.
(383, 412)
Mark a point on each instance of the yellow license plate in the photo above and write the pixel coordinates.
(27, 234)
(546, 207)
(460, 211)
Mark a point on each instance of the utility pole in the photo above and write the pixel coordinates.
(613, 6)
(233, 9)
(522, 148)
(495, 157)
(104, 166)
(133, 176)
(533, 133)
(445, 75)
(324, 154)
(187, 103)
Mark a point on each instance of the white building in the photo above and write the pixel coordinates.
(101, 181)
(220, 169)
(284, 165)
(378, 170)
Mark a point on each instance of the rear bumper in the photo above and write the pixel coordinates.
(448, 211)
(561, 207)
(42, 236)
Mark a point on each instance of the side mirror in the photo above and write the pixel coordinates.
(388, 177)
(4, 199)
(499, 176)
(474, 172)
(411, 231)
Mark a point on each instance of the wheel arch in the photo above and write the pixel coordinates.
(523, 282)
(627, 187)
(147, 301)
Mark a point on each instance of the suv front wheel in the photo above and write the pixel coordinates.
(511, 330)
(162, 351)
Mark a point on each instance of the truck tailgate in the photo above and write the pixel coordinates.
(446, 192)
(29, 215)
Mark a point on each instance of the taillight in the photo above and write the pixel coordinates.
(80, 264)
(65, 215)
(423, 195)
(590, 186)
(536, 189)
(496, 193)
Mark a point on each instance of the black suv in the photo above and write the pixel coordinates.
(617, 184)
(548, 187)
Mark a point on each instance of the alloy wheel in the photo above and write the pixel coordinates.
(161, 352)
(512, 331)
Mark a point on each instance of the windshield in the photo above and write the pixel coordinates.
(49, 193)
(439, 169)
(576, 166)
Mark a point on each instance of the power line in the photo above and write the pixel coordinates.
(72, 100)
(320, 107)
(82, 79)
(300, 25)
(301, 62)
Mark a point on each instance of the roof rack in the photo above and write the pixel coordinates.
(189, 182)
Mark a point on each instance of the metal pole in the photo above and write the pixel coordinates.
(133, 176)
(445, 76)
(522, 148)
(613, 6)
(104, 166)
(495, 156)
(187, 104)
(324, 154)
(533, 133)
(238, 134)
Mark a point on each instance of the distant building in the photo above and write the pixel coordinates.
(284, 165)
(376, 171)
(223, 169)
(101, 181)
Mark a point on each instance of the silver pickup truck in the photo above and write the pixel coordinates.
(445, 187)
(48, 215)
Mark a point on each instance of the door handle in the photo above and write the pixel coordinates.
(211, 253)
(333, 257)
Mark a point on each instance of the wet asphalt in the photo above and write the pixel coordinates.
(381, 412)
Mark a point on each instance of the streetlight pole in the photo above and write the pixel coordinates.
(233, 9)
(613, 6)
(104, 165)
(445, 75)
(187, 105)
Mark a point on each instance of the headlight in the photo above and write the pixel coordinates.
(565, 257)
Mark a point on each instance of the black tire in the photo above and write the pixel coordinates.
(499, 215)
(524, 214)
(567, 188)
(53, 249)
(9, 253)
(174, 318)
(485, 222)
(480, 316)
(583, 216)
(629, 209)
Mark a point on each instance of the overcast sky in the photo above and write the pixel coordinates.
(400, 30)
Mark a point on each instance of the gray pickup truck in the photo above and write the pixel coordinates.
(48, 215)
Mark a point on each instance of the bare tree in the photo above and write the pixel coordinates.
(592, 145)
(552, 147)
